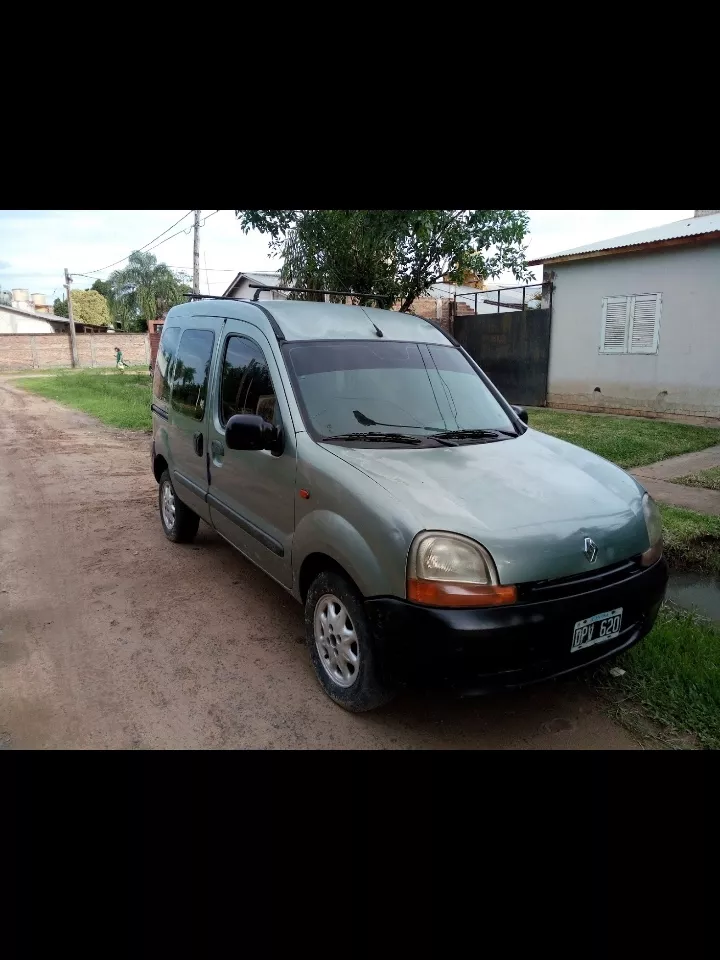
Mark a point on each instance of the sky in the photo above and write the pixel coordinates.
(36, 245)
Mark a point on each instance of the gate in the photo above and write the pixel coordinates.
(512, 346)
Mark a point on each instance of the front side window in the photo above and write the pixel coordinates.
(246, 382)
(191, 372)
(367, 386)
(163, 363)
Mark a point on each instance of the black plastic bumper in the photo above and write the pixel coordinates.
(484, 649)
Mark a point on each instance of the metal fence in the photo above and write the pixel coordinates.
(533, 296)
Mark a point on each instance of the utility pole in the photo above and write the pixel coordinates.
(71, 321)
(196, 254)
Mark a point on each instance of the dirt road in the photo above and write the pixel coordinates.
(110, 636)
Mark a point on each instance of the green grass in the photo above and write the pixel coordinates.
(674, 675)
(118, 399)
(627, 441)
(710, 479)
(692, 540)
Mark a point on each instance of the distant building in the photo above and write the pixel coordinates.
(635, 321)
(240, 287)
(14, 320)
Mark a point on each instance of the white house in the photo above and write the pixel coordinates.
(240, 286)
(14, 320)
(636, 321)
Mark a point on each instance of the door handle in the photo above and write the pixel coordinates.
(198, 443)
(218, 448)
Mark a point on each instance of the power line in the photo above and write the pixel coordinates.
(176, 234)
(100, 269)
(174, 266)
(167, 231)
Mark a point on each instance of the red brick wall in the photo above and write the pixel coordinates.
(26, 351)
(154, 344)
(427, 308)
(15, 351)
(134, 348)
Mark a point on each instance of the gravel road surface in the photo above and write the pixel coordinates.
(112, 637)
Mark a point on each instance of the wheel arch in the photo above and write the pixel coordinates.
(326, 537)
(314, 564)
(160, 464)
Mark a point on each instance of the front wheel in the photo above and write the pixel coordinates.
(342, 647)
(179, 523)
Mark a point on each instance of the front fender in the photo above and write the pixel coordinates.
(323, 531)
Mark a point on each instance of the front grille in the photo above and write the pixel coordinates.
(578, 583)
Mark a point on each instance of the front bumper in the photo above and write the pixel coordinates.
(484, 649)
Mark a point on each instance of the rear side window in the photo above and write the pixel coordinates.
(246, 383)
(163, 363)
(191, 372)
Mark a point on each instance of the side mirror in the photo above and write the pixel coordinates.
(247, 431)
(521, 413)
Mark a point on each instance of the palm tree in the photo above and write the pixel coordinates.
(144, 290)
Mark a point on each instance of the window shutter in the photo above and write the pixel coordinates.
(615, 316)
(645, 323)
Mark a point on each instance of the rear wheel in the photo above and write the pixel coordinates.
(342, 647)
(179, 522)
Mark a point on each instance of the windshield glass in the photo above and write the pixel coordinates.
(361, 386)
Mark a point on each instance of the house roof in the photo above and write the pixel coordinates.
(266, 278)
(24, 313)
(669, 234)
(51, 317)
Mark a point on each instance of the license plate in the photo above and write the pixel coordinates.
(597, 629)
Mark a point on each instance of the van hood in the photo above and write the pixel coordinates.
(531, 501)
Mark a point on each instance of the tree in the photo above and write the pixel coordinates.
(395, 254)
(60, 307)
(143, 291)
(91, 308)
(103, 288)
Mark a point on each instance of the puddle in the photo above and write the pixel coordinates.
(696, 592)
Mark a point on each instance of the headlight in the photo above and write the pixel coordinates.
(448, 570)
(653, 522)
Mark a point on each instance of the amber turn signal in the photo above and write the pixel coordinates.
(445, 593)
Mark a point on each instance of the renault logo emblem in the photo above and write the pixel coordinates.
(590, 550)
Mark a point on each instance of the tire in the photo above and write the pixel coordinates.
(179, 523)
(355, 684)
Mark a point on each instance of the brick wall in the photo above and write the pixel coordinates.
(26, 351)
(427, 308)
(154, 345)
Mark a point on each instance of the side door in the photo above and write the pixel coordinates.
(187, 420)
(252, 493)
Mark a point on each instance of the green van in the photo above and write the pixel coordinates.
(362, 459)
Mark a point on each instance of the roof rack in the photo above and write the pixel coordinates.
(258, 288)
(273, 322)
(209, 296)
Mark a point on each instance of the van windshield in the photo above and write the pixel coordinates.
(350, 387)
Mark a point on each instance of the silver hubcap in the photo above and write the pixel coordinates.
(336, 641)
(167, 505)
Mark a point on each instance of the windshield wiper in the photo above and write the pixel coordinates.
(369, 422)
(377, 437)
(490, 434)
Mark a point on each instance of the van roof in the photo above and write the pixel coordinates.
(305, 320)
